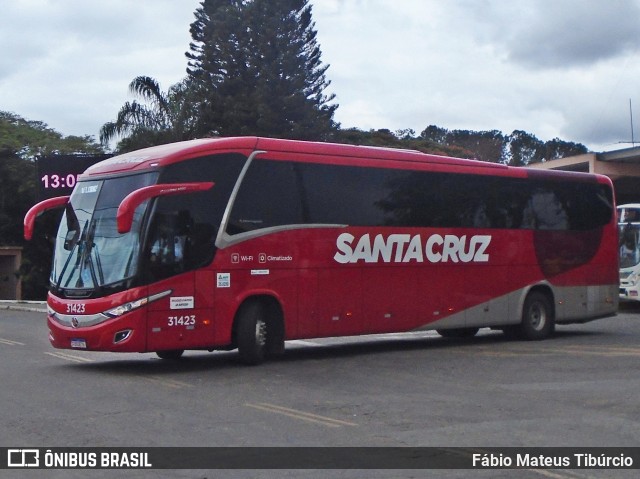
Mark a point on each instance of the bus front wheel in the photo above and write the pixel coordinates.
(172, 354)
(537, 317)
(252, 333)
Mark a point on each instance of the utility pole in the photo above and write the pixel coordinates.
(633, 143)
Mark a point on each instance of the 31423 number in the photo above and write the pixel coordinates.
(186, 320)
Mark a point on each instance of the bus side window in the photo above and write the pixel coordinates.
(178, 241)
(269, 196)
(545, 211)
(180, 244)
(183, 230)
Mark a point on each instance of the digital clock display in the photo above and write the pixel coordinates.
(56, 181)
(58, 174)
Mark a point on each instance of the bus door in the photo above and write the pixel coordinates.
(182, 318)
(172, 320)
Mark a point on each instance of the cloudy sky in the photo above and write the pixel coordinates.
(554, 68)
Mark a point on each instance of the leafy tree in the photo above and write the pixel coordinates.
(28, 139)
(524, 148)
(257, 64)
(517, 149)
(557, 148)
(485, 145)
(160, 118)
(406, 134)
(17, 194)
(435, 134)
(405, 139)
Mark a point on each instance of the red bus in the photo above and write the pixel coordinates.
(248, 242)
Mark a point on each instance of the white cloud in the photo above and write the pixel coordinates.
(552, 68)
(69, 63)
(567, 33)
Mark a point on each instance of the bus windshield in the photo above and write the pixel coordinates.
(629, 244)
(89, 252)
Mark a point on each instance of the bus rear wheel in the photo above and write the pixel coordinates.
(537, 317)
(252, 333)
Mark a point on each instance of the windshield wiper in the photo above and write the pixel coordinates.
(71, 255)
(90, 248)
(83, 260)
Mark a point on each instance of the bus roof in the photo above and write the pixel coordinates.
(158, 156)
(172, 152)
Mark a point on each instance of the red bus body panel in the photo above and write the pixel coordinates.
(429, 274)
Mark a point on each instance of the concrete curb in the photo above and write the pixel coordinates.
(32, 306)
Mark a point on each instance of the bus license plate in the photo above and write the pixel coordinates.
(79, 343)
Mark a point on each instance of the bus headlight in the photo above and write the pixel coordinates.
(133, 305)
(126, 308)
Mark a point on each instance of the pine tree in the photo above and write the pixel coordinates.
(257, 67)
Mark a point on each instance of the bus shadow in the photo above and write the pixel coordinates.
(630, 307)
(221, 361)
(193, 361)
(394, 345)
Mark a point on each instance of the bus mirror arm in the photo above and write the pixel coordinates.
(39, 208)
(127, 208)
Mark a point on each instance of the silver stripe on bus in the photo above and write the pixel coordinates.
(221, 239)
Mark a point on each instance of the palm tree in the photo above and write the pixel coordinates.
(160, 118)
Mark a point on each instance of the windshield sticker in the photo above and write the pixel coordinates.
(181, 302)
(404, 248)
(224, 280)
(88, 189)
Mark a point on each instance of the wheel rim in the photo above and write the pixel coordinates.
(537, 316)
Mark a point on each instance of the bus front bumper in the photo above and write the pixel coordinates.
(630, 293)
(124, 334)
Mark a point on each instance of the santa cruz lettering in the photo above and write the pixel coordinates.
(405, 248)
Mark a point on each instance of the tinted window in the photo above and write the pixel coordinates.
(184, 227)
(269, 196)
(346, 195)
(278, 193)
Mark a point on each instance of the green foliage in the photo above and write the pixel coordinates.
(525, 148)
(485, 145)
(160, 118)
(404, 139)
(17, 194)
(518, 149)
(257, 64)
(29, 139)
